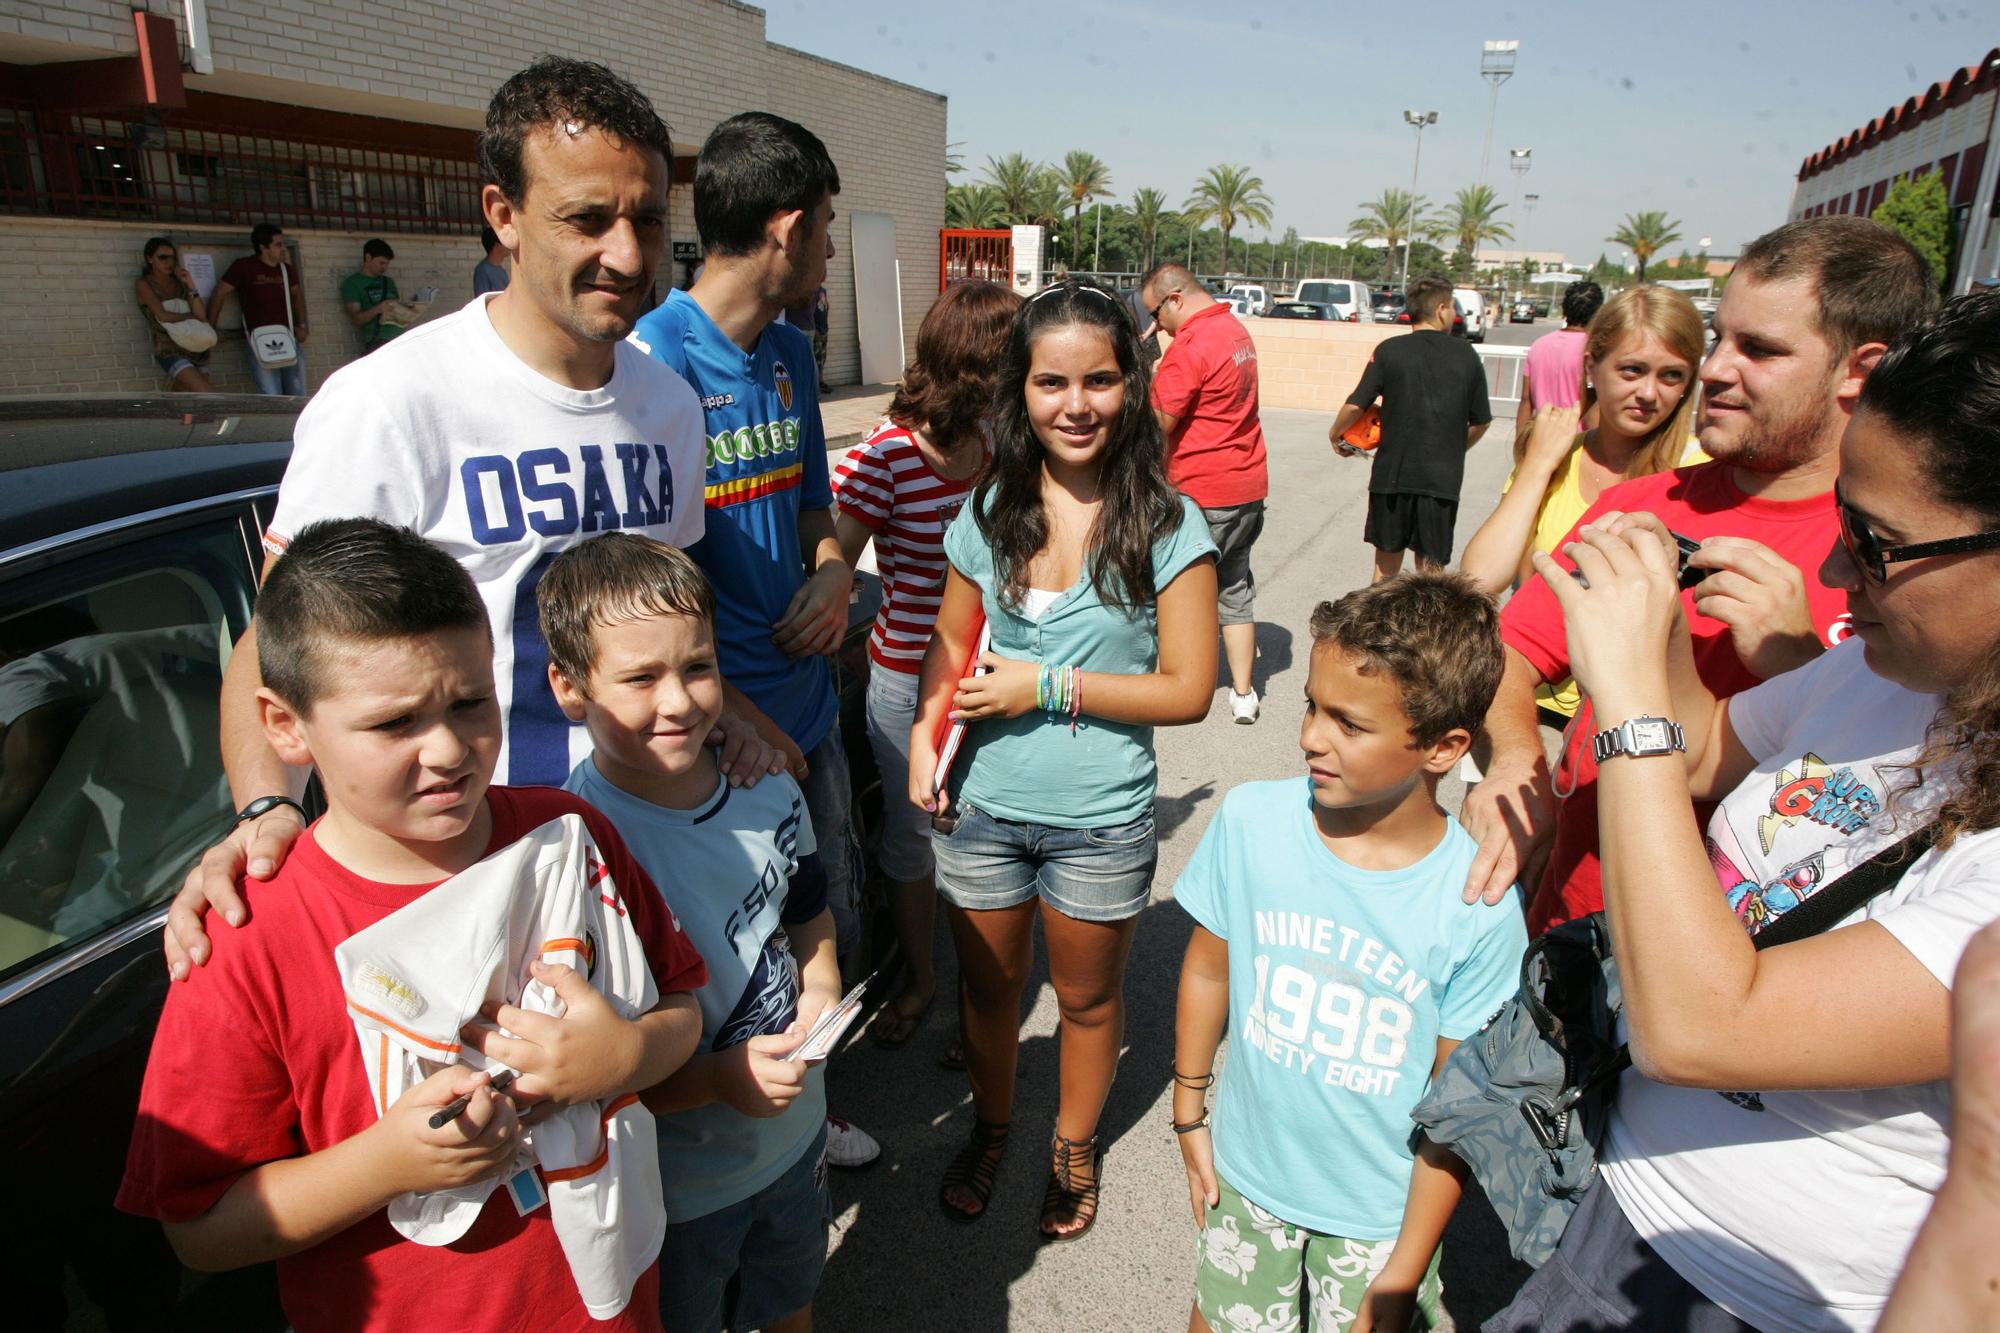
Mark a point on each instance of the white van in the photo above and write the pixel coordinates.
(1474, 307)
(1352, 301)
(1258, 299)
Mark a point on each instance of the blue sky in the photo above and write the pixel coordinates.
(1703, 110)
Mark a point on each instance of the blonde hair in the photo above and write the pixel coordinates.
(1671, 317)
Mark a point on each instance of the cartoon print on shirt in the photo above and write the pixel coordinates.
(1819, 793)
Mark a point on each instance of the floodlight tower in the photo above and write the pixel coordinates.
(1421, 120)
(1519, 160)
(1496, 66)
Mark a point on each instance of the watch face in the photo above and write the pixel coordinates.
(1650, 733)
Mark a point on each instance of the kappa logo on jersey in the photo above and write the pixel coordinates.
(783, 378)
(557, 491)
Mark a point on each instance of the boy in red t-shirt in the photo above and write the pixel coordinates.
(258, 1136)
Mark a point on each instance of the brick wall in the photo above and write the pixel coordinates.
(1308, 364)
(436, 62)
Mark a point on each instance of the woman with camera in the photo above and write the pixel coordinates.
(1777, 1143)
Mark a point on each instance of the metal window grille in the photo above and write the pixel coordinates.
(186, 170)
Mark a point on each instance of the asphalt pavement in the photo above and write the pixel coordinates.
(898, 1262)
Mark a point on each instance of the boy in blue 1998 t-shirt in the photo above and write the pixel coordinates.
(1332, 943)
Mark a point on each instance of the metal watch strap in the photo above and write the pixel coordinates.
(1611, 742)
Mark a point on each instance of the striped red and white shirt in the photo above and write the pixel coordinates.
(886, 484)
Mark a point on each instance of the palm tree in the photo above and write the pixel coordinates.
(1471, 219)
(1015, 179)
(1226, 196)
(1083, 177)
(1043, 206)
(977, 206)
(1394, 219)
(1149, 210)
(1645, 235)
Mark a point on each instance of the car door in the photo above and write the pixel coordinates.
(112, 644)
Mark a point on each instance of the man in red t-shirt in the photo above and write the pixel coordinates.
(1205, 396)
(1808, 311)
(267, 291)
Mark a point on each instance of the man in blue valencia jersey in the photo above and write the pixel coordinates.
(763, 204)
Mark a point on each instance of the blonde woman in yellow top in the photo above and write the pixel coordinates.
(1640, 360)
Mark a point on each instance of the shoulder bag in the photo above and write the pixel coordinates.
(273, 344)
(1524, 1102)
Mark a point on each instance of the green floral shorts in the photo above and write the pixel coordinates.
(1260, 1274)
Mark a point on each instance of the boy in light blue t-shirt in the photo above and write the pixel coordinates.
(630, 627)
(1332, 944)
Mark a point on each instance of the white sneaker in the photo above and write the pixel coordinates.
(848, 1145)
(1244, 706)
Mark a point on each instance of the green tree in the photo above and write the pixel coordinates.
(973, 206)
(1645, 235)
(1394, 218)
(1472, 218)
(1016, 180)
(1083, 177)
(1918, 211)
(1149, 211)
(1228, 195)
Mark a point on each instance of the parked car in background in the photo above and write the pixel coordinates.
(1303, 310)
(130, 546)
(1543, 306)
(1472, 307)
(1388, 305)
(1353, 301)
(1239, 304)
(1258, 299)
(1524, 312)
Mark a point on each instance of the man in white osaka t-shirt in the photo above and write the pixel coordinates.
(515, 427)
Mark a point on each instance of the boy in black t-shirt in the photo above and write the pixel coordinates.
(1434, 409)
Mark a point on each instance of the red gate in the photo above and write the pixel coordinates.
(975, 256)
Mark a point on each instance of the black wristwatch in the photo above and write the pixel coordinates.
(1639, 737)
(264, 805)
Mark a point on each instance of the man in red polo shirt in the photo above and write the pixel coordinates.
(1205, 395)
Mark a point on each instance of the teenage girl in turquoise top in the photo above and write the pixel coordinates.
(1098, 581)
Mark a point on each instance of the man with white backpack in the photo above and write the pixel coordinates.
(274, 311)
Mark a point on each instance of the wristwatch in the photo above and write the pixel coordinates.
(1639, 737)
(264, 805)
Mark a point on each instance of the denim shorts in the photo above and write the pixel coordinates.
(1087, 874)
(173, 363)
(754, 1262)
(905, 853)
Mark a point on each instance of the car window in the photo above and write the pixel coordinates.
(110, 768)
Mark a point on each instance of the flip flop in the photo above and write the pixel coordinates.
(893, 1028)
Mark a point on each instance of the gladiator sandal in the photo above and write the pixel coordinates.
(973, 1169)
(1062, 1201)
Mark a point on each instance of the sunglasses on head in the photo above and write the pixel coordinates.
(1873, 559)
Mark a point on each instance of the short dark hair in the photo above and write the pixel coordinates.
(1871, 283)
(753, 165)
(263, 233)
(488, 238)
(1940, 383)
(1581, 302)
(1425, 295)
(1172, 276)
(558, 90)
(354, 579)
(948, 389)
(610, 578)
(1434, 634)
(377, 249)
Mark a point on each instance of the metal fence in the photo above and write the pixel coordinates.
(192, 171)
(1504, 367)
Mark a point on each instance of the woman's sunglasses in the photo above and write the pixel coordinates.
(1873, 559)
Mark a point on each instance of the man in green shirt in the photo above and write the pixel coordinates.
(369, 293)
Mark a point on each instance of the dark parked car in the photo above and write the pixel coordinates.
(1523, 312)
(1301, 310)
(128, 568)
(1388, 305)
